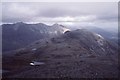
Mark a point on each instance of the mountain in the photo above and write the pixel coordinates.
(113, 36)
(18, 35)
(74, 54)
(109, 35)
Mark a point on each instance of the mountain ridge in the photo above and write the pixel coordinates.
(22, 34)
(76, 54)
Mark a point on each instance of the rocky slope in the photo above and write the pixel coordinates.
(106, 33)
(75, 54)
(20, 34)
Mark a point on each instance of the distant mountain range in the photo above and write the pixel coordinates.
(18, 35)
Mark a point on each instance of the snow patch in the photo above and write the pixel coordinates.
(55, 32)
(100, 39)
(100, 42)
(65, 29)
(99, 36)
(103, 49)
(35, 63)
(34, 49)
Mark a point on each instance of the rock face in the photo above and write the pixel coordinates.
(20, 34)
(75, 54)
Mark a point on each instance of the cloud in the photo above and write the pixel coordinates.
(88, 13)
(53, 10)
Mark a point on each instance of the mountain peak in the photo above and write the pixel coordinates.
(20, 23)
(56, 24)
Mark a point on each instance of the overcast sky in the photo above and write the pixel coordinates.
(102, 14)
